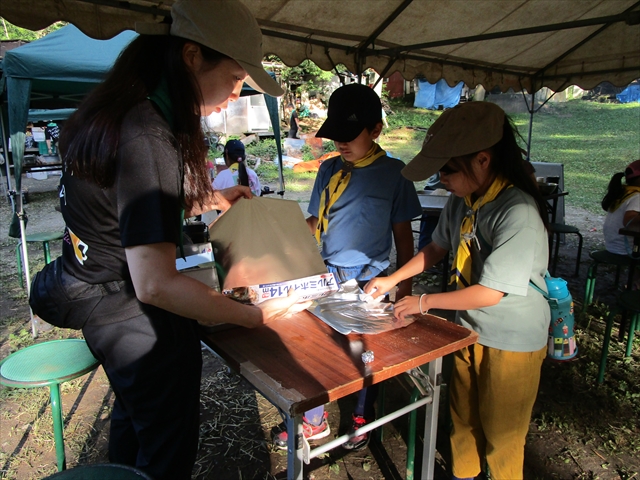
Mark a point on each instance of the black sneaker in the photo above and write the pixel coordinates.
(361, 441)
(311, 432)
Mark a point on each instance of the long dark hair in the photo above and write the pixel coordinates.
(90, 139)
(615, 190)
(507, 161)
(243, 176)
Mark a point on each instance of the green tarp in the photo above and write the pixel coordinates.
(55, 71)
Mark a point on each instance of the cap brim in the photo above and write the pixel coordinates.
(339, 131)
(260, 80)
(422, 167)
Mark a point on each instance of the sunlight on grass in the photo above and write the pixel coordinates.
(592, 140)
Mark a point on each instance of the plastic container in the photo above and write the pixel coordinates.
(562, 343)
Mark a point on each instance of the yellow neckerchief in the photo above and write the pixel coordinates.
(462, 263)
(628, 191)
(338, 183)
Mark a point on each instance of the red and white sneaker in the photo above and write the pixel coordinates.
(361, 441)
(310, 431)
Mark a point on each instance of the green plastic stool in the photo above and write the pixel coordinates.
(102, 471)
(49, 364)
(607, 258)
(628, 301)
(45, 238)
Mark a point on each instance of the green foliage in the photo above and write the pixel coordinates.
(328, 146)
(266, 149)
(593, 141)
(412, 117)
(306, 71)
(307, 153)
(8, 31)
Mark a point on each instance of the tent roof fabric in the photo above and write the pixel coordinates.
(66, 54)
(516, 44)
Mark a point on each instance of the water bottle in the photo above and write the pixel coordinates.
(562, 342)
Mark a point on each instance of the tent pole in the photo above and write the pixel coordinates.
(5, 149)
(25, 266)
(533, 97)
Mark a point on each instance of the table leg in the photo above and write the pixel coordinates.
(635, 257)
(47, 252)
(294, 447)
(56, 412)
(431, 421)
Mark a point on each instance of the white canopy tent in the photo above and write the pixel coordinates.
(518, 44)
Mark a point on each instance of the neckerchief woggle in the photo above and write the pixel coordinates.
(461, 272)
(338, 184)
(628, 191)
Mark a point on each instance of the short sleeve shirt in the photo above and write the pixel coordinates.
(229, 178)
(513, 251)
(614, 221)
(360, 222)
(141, 207)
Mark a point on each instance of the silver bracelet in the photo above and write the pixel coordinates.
(420, 305)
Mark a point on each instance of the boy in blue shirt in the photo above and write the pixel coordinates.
(360, 202)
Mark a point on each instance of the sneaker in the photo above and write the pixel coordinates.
(311, 432)
(361, 441)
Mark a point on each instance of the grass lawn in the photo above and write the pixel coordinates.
(592, 140)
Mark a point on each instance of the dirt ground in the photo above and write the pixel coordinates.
(237, 422)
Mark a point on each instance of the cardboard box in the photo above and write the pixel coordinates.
(308, 288)
(199, 264)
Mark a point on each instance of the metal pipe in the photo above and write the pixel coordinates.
(368, 427)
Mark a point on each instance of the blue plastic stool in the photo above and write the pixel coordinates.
(49, 364)
(45, 238)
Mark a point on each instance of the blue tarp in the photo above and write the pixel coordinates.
(629, 94)
(436, 95)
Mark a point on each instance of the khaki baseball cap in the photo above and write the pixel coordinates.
(464, 129)
(228, 27)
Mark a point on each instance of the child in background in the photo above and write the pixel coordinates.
(237, 172)
(495, 222)
(622, 204)
(358, 203)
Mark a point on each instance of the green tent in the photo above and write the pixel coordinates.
(53, 72)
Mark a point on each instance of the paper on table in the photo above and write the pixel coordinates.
(346, 312)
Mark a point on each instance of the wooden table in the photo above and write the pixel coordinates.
(300, 363)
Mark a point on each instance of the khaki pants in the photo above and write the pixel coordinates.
(492, 395)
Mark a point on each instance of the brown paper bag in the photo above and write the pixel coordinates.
(264, 240)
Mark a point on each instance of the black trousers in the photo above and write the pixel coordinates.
(154, 365)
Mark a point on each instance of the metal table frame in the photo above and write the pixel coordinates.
(259, 355)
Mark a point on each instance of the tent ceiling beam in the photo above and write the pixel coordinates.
(133, 7)
(383, 26)
(628, 17)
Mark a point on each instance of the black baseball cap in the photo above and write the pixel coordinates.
(234, 148)
(352, 108)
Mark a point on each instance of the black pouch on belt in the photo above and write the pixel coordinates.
(62, 300)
